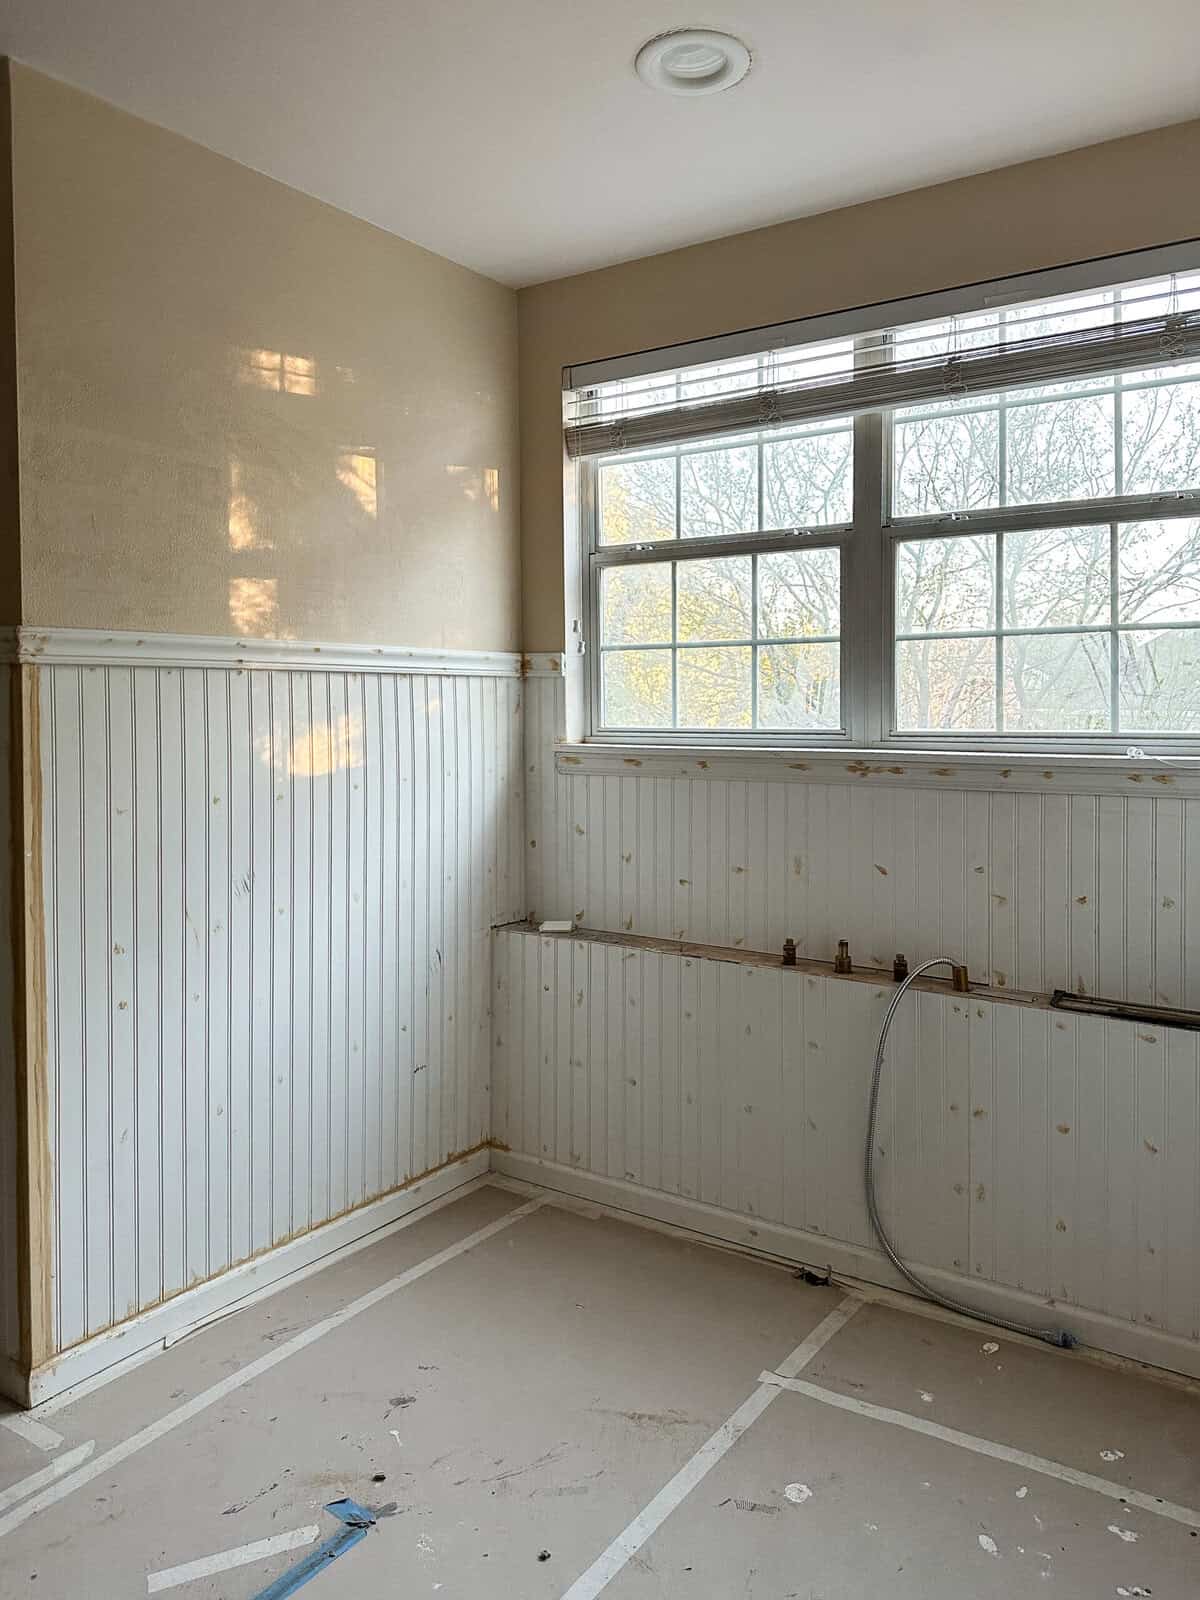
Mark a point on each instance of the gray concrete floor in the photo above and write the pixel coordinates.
(536, 1392)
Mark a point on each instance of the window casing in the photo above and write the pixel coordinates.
(1005, 570)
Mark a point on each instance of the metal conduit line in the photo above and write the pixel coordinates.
(1059, 1337)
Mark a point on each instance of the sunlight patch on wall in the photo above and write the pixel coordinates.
(275, 369)
(479, 485)
(254, 605)
(326, 748)
(357, 471)
(242, 520)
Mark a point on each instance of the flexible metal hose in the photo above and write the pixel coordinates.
(1055, 1336)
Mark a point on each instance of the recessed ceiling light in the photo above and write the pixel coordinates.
(692, 61)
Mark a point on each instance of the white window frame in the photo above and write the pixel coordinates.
(868, 542)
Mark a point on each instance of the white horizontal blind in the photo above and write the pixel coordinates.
(1116, 331)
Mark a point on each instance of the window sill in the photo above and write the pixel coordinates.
(1021, 772)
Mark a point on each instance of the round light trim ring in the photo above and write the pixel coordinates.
(692, 61)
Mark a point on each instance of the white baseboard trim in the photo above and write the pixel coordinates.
(14, 1384)
(794, 1245)
(114, 1351)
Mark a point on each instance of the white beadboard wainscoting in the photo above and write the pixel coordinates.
(269, 876)
(10, 1203)
(1026, 1155)
(1061, 874)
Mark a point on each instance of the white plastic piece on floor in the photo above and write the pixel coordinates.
(32, 1431)
(226, 1560)
(16, 1492)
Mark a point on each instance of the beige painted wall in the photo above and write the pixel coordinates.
(242, 411)
(1125, 195)
(10, 547)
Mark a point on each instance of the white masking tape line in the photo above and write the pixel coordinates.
(627, 1544)
(124, 1364)
(986, 1447)
(820, 1336)
(254, 1369)
(119, 1369)
(32, 1431)
(46, 1475)
(226, 1560)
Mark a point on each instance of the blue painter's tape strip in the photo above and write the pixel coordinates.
(358, 1523)
(351, 1513)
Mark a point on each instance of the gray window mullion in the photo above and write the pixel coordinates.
(588, 489)
(867, 660)
(708, 547)
(1002, 455)
(678, 496)
(1002, 441)
(761, 458)
(1118, 440)
(1051, 632)
(754, 641)
(799, 639)
(674, 644)
(998, 600)
(1114, 618)
(998, 554)
(1056, 514)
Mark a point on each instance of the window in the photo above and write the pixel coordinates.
(953, 563)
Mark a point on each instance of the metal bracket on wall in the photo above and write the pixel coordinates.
(818, 1280)
(1123, 1011)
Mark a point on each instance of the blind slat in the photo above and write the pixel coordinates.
(1147, 343)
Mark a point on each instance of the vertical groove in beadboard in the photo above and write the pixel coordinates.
(1048, 1153)
(12, 729)
(1034, 891)
(269, 911)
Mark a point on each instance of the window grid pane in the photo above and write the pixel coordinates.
(1068, 656)
(1096, 631)
(768, 482)
(1132, 433)
(1137, 435)
(1040, 628)
(723, 670)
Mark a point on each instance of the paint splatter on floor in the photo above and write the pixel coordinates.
(1022, 1491)
(1112, 1455)
(1123, 1533)
(990, 1349)
(986, 1542)
(797, 1493)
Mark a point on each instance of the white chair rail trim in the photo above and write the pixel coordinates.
(97, 647)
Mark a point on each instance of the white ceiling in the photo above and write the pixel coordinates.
(513, 136)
